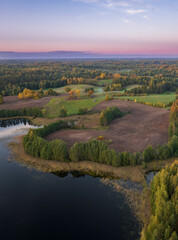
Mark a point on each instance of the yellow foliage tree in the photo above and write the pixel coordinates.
(1, 99)
(107, 97)
(90, 93)
(20, 96)
(78, 92)
(103, 75)
(116, 76)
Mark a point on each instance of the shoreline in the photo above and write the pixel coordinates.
(133, 173)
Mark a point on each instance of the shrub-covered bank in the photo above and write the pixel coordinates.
(35, 112)
(35, 144)
(164, 206)
(94, 150)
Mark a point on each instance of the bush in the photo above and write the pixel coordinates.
(82, 111)
(63, 112)
(108, 115)
(67, 89)
(89, 89)
(173, 145)
(149, 154)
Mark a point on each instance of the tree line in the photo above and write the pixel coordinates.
(96, 150)
(35, 112)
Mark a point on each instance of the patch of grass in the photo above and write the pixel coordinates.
(125, 70)
(104, 82)
(129, 87)
(153, 98)
(82, 87)
(72, 106)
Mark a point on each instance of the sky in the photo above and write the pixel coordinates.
(100, 26)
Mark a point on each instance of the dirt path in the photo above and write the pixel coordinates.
(143, 126)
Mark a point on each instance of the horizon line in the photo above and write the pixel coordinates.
(89, 52)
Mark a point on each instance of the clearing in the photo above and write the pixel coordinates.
(142, 126)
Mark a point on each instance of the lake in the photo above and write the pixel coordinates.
(37, 205)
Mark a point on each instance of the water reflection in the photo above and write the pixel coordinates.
(14, 122)
(150, 176)
(14, 127)
(36, 205)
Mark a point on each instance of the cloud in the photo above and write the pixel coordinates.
(126, 21)
(146, 17)
(109, 3)
(114, 4)
(135, 11)
(131, 7)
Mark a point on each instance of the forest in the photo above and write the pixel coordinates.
(152, 76)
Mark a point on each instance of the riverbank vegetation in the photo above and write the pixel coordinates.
(164, 206)
(136, 174)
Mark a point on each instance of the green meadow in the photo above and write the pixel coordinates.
(153, 98)
(72, 106)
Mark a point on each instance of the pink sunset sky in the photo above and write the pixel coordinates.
(101, 26)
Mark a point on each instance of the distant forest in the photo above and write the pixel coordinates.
(152, 76)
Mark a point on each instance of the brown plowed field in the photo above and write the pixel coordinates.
(12, 102)
(141, 127)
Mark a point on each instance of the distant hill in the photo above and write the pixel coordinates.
(5, 55)
(44, 55)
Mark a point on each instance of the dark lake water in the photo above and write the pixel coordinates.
(36, 205)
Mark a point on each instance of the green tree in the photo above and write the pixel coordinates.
(59, 150)
(63, 112)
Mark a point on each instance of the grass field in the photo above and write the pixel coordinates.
(97, 90)
(104, 82)
(82, 87)
(154, 98)
(72, 106)
(129, 87)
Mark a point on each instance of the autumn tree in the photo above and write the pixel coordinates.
(1, 99)
(78, 92)
(107, 97)
(67, 89)
(90, 93)
(71, 94)
(174, 110)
